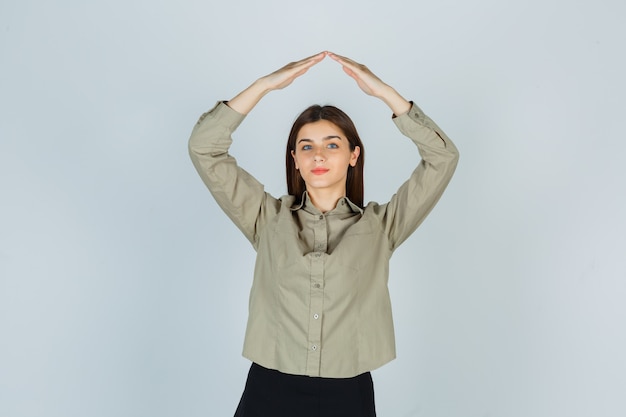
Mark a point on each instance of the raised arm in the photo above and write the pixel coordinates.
(239, 194)
(248, 98)
(418, 195)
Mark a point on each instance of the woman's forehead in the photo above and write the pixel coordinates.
(319, 130)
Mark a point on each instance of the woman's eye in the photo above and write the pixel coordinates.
(333, 146)
(306, 147)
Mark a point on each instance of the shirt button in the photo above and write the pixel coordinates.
(317, 255)
(314, 347)
(316, 316)
(321, 217)
(316, 285)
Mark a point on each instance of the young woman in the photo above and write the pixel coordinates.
(319, 314)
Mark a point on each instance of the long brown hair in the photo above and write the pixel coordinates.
(354, 182)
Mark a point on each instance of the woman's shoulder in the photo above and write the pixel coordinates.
(374, 206)
(287, 202)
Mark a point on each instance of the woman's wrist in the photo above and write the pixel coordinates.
(398, 104)
(245, 101)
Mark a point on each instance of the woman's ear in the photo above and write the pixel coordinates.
(354, 156)
(293, 155)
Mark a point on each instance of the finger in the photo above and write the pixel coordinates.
(337, 57)
(319, 55)
(352, 69)
(312, 60)
(349, 72)
(356, 69)
(343, 60)
(285, 75)
(300, 67)
(295, 67)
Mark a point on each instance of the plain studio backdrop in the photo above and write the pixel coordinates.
(124, 288)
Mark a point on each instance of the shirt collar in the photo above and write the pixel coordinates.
(344, 205)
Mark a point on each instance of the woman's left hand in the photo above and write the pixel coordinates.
(372, 85)
(367, 81)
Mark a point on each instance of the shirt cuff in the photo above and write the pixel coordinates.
(224, 115)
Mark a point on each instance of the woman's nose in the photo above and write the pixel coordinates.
(319, 156)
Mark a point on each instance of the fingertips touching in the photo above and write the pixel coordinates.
(334, 56)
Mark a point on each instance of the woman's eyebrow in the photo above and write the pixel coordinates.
(324, 138)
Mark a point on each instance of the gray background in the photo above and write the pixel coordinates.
(123, 287)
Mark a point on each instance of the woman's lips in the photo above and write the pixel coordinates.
(319, 171)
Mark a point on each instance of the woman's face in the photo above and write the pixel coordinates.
(322, 155)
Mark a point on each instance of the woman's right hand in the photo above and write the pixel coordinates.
(283, 77)
(248, 98)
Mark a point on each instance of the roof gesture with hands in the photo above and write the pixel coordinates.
(245, 101)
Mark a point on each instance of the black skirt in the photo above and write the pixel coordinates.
(271, 393)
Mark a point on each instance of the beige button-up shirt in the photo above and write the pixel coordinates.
(319, 303)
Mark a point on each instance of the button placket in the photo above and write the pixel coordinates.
(318, 260)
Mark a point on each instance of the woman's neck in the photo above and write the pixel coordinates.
(325, 200)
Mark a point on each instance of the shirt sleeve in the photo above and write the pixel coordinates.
(418, 195)
(237, 192)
